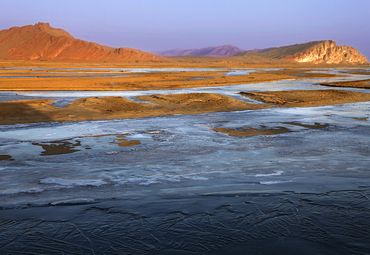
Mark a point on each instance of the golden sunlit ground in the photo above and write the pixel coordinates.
(30, 78)
(26, 76)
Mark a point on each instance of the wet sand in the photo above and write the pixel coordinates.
(100, 108)
(123, 142)
(263, 130)
(316, 125)
(307, 98)
(58, 147)
(115, 80)
(361, 84)
(359, 71)
(248, 132)
(137, 81)
(303, 73)
(5, 157)
(361, 118)
(105, 108)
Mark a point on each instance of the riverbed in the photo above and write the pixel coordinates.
(182, 187)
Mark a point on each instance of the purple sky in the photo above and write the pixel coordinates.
(166, 24)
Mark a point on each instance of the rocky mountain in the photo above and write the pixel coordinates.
(218, 51)
(317, 52)
(43, 42)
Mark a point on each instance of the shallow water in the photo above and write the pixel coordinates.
(186, 189)
(185, 149)
(64, 97)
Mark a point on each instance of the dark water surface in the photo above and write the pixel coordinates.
(247, 223)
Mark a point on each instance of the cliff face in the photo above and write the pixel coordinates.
(330, 53)
(43, 42)
(317, 52)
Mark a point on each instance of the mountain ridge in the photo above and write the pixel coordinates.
(315, 52)
(214, 51)
(41, 41)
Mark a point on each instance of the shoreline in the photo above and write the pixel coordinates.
(152, 81)
(158, 105)
(359, 84)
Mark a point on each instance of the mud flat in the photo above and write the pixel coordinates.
(123, 142)
(5, 157)
(263, 130)
(58, 147)
(359, 71)
(139, 81)
(307, 98)
(316, 125)
(86, 80)
(100, 108)
(105, 108)
(361, 84)
(302, 73)
(361, 118)
(248, 132)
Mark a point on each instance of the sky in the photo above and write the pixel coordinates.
(157, 25)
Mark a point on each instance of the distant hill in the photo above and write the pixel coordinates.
(43, 42)
(218, 51)
(317, 52)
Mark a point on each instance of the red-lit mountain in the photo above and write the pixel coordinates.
(44, 42)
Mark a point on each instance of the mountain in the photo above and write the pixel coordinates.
(218, 51)
(43, 42)
(316, 52)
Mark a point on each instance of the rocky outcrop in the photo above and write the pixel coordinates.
(218, 51)
(43, 42)
(329, 52)
(316, 52)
